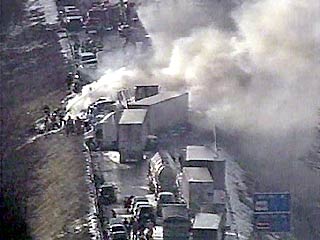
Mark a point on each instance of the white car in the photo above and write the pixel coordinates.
(118, 231)
(88, 59)
(137, 205)
(118, 227)
(137, 199)
(231, 236)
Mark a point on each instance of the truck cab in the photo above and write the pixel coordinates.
(164, 198)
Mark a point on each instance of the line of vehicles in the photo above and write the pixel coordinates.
(83, 30)
(138, 217)
(83, 52)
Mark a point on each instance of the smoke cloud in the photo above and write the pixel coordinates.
(251, 64)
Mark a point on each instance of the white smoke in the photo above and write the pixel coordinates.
(256, 66)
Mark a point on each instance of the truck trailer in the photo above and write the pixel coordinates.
(198, 189)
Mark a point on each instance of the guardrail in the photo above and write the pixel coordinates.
(94, 224)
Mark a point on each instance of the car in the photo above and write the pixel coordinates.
(164, 198)
(62, 33)
(137, 199)
(231, 236)
(73, 12)
(69, 10)
(137, 205)
(135, 19)
(108, 193)
(116, 220)
(145, 213)
(69, 7)
(117, 227)
(117, 230)
(73, 23)
(108, 28)
(119, 236)
(99, 13)
(88, 59)
(92, 24)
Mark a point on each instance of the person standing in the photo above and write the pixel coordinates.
(127, 225)
(114, 214)
(78, 126)
(135, 228)
(150, 227)
(69, 126)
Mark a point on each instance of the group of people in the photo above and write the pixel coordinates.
(53, 120)
(73, 126)
(73, 82)
(56, 119)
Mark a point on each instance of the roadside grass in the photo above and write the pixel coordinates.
(57, 189)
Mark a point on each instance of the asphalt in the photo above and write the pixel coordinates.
(130, 178)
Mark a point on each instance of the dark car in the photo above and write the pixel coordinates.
(108, 193)
(119, 236)
(145, 213)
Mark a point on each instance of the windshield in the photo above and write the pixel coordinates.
(142, 199)
(138, 204)
(118, 228)
(88, 58)
(167, 199)
(107, 190)
(146, 210)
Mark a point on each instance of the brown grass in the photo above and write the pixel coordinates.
(57, 186)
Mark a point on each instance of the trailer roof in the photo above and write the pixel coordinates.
(206, 221)
(197, 174)
(160, 97)
(201, 153)
(175, 211)
(133, 116)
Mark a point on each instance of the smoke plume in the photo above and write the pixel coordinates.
(248, 65)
